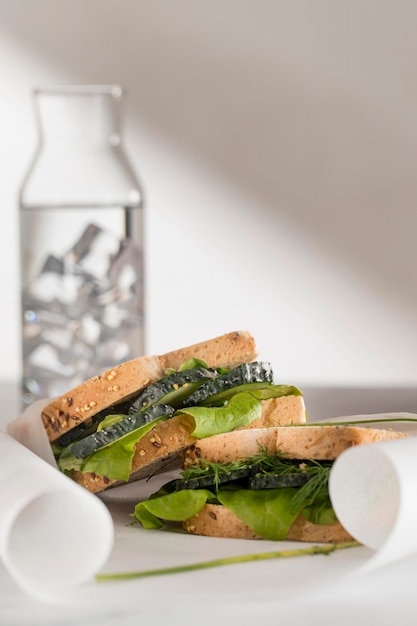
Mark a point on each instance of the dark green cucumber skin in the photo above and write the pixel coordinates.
(243, 477)
(177, 385)
(131, 422)
(189, 383)
(219, 399)
(90, 425)
(276, 481)
(193, 378)
(258, 372)
(210, 480)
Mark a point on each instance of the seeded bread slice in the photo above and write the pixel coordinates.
(225, 351)
(161, 448)
(215, 520)
(102, 391)
(296, 442)
(124, 381)
(328, 442)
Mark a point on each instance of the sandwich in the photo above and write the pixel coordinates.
(137, 418)
(264, 483)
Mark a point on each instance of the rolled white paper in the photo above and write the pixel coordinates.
(54, 534)
(29, 430)
(373, 490)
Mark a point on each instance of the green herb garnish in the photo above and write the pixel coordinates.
(216, 470)
(232, 560)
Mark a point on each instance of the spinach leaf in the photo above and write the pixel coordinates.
(175, 507)
(269, 512)
(321, 512)
(148, 520)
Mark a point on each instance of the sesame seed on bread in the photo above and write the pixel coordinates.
(163, 446)
(302, 442)
(323, 442)
(215, 520)
(122, 382)
(305, 441)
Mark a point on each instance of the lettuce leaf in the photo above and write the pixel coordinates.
(242, 409)
(109, 420)
(261, 390)
(113, 461)
(276, 391)
(186, 365)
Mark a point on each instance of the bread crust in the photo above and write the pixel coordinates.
(326, 443)
(123, 381)
(305, 442)
(96, 394)
(158, 449)
(285, 410)
(227, 351)
(319, 442)
(215, 520)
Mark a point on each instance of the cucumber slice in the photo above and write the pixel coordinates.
(247, 373)
(90, 425)
(111, 433)
(219, 399)
(276, 481)
(265, 391)
(210, 480)
(173, 389)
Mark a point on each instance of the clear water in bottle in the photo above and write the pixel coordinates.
(82, 296)
(81, 241)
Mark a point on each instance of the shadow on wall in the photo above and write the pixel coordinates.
(246, 88)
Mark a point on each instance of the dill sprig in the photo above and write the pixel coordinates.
(267, 464)
(317, 486)
(216, 470)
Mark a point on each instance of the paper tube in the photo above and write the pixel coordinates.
(54, 535)
(373, 489)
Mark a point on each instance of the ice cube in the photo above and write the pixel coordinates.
(55, 283)
(89, 329)
(113, 316)
(45, 357)
(111, 350)
(83, 312)
(126, 266)
(94, 252)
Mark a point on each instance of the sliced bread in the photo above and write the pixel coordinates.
(123, 381)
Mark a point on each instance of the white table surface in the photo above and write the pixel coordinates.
(383, 597)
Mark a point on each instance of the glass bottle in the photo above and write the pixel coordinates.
(81, 242)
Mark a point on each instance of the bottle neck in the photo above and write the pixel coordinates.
(78, 120)
(80, 160)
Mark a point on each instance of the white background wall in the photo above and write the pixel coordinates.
(277, 142)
